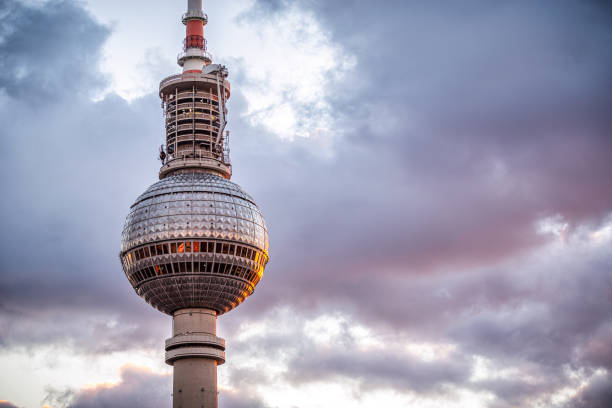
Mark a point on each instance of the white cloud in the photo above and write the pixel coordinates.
(289, 61)
(290, 65)
(60, 368)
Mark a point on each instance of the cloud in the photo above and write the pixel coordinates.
(233, 399)
(381, 370)
(459, 132)
(523, 332)
(49, 50)
(138, 387)
(449, 160)
(597, 394)
(6, 404)
(65, 155)
(381, 203)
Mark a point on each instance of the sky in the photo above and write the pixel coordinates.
(436, 179)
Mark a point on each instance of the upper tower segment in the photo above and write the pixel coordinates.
(194, 105)
(194, 56)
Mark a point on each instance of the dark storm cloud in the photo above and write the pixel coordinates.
(552, 322)
(342, 357)
(598, 394)
(6, 404)
(65, 165)
(48, 51)
(535, 316)
(462, 126)
(138, 387)
(380, 369)
(263, 8)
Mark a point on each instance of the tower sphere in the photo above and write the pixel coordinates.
(194, 240)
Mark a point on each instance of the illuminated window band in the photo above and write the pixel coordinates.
(240, 261)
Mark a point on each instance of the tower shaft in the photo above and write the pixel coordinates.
(195, 351)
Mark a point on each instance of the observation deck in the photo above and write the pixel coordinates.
(202, 345)
(189, 79)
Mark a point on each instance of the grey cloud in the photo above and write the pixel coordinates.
(242, 399)
(375, 370)
(463, 125)
(264, 7)
(597, 349)
(562, 314)
(520, 391)
(49, 50)
(138, 388)
(343, 358)
(538, 315)
(465, 165)
(66, 166)
(6, 404)
(598, 394)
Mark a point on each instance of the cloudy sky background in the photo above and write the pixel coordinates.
(436, 178)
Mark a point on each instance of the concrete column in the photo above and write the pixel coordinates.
(192, 321)
(195, 351)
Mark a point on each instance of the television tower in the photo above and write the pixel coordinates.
(194, 244)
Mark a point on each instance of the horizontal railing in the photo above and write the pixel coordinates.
(204, 55)
(195, 338)
(190, 104)
(201, 352)
(190, 76)
(192, 14)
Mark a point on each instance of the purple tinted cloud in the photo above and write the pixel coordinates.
(462, 127)
(138, 388)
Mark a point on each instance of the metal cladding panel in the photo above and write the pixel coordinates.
(194, 209)
(194, 205)
(171, 293)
